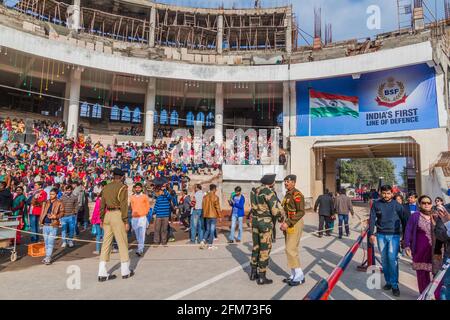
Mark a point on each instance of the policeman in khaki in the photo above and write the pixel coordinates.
(265, 205)
(294, 207)
(114, 217)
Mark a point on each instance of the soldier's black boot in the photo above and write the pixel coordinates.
(254, 274)
(262, 279)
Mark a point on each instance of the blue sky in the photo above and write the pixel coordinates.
(348, 17)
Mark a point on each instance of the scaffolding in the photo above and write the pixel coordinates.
(174, 26)
(186, 30)
(264, 32)
(92, 21)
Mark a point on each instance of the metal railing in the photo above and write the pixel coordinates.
(324, 287)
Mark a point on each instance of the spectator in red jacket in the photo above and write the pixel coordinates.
(39, 197)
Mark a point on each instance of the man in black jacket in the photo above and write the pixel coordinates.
(387, 215)
(326, 207)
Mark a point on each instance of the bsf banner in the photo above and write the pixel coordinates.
(393, 100)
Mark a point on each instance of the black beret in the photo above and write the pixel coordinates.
(268, 179)
(291, 177)
(118, 172)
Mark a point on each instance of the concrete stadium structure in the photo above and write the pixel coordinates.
(243, 67)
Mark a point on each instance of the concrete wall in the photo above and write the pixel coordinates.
(439, 185)
(330, 176)
(432, 143)
(67, 52)
(251, 173)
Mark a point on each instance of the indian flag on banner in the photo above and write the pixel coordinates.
(322, 105)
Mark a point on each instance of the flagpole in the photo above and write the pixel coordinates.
(309, 110)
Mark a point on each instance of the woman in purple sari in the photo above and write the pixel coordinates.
(420, 240)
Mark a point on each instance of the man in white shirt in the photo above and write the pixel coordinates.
(98, 188)
(47, 190)
(197, 216)
(59, 178)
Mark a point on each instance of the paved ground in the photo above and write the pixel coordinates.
(182, 271)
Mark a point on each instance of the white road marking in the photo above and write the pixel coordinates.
(225, 274)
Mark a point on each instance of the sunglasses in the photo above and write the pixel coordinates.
(425, 203)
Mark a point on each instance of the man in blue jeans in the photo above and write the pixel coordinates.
(387, 215)
(237, 202)
(211, 212)
(344, 206)
(69, 217)
(196, 216)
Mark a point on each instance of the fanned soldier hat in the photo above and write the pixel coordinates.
(291, 177)
(268, 179)
(118, 172)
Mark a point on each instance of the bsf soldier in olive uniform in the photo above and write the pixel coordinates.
(265, 206)
(114, 217)
(294, 208)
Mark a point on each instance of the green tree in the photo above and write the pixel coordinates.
(367, 171)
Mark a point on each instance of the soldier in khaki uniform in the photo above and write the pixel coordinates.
(114, 217)
(265, 206)
(294, 207)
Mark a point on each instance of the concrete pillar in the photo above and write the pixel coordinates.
(219, 41)
(317, 44)
(330, 174)
(218, 132)
(74, 103)
(286, 113)
(441, 98)
(293, 110)
(66, 103)
(288, 25)
(303, 165)
(76, 17)
(418, 19)
(150, 104)
(151, 40)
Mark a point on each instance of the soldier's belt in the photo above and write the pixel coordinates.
(114, 208)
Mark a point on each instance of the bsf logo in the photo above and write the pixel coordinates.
(391, 93)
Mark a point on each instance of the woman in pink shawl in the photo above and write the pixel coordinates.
(420, 241)
(96, 224)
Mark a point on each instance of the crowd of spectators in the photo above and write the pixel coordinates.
(131, 131)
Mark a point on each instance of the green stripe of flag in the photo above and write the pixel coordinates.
(325, 112)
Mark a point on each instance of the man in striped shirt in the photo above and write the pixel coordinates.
(162, 211)
(69, 217)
